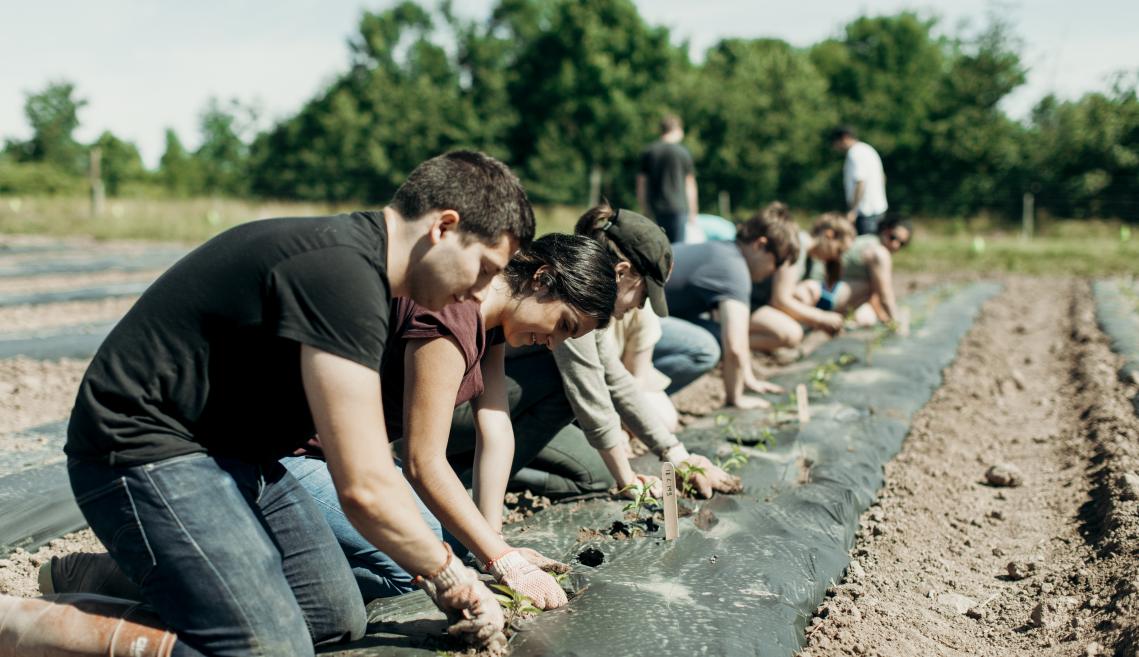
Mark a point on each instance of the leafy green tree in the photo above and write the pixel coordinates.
(1084, 154)
(590, 90)
(971, 152)
(54, 115)
(120, 163)
(178, 171)
(222, 157)
(402, 102)
(758, 108)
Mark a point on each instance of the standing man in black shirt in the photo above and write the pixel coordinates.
(260, 338)
(666, 183)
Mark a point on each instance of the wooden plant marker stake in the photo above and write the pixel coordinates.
(668, 482)
(804, 405)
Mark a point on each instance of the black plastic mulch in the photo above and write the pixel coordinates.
(748, 583)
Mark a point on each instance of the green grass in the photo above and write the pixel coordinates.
(1089, 255)
(1084, 248)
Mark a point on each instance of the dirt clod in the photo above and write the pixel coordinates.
(1129, 486)
(957, 602)
(1018, 570)
(705, 519)
(1005, 475)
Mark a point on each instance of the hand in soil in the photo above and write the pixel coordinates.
(472, 610)
(481, 621)
(515, 571)
(633, 491)
(743, 402)
(763, 388)
(707, 477)
(545, 563)
(831, 323)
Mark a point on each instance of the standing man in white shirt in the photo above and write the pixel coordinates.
(863, 180)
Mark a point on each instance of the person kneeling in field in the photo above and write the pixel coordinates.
(717, 277)
(558, 287)
(260, 338)
(867, 273)
(780, 306)
(604, 396)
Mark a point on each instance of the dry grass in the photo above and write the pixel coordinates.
(1088, 248)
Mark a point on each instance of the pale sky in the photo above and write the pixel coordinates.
(145, 65)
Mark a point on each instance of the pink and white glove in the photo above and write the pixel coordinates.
(515, 570)
(472, 610)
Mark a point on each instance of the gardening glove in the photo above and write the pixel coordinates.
(473, 613)
(545, 563)
(515, 571)
(713, 478)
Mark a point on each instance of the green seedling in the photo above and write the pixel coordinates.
(515, 605)
(821, 377)
(736, 459)
(733, 434)
(788, 407)
(644, 499)
(687, 473)
(880, 334)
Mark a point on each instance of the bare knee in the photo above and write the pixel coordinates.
(789, 334)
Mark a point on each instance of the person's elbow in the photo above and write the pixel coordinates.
(416, 468)
(361, 501)
(784, 303)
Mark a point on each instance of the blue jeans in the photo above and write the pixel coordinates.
(867, 225)
(376, 573)
(686, 350)
(234, 557)
(675, 225)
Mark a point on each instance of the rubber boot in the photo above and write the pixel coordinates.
(84, 572)
(80, 625)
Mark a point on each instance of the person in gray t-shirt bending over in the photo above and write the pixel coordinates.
(666, 182)
(718, 276)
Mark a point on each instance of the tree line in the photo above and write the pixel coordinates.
(570, 90)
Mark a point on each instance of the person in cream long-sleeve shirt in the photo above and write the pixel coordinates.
(604, 396)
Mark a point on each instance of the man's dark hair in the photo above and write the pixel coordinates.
(486, 194)
(892, 220)
(580, 273)
(843, 131)
(670, 122)
(775, 223)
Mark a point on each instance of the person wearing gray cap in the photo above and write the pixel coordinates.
(602, 392)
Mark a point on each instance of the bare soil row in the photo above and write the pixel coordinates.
(947, 562)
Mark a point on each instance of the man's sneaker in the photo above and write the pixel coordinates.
(83, 572)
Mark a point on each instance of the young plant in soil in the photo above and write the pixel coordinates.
(638, 510)
(687, 474)
(760, 439)
(785, 411)
(880, 334)
(736, 459)
(823, 372)
(515, 606)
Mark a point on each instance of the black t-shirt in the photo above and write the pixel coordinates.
(665, 166)
(208, 359)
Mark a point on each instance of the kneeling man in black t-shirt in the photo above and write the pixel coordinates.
(261, 337)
